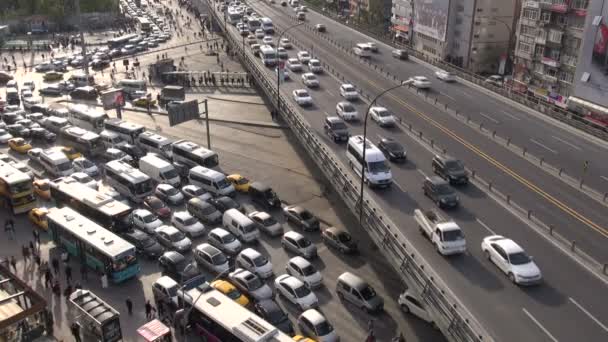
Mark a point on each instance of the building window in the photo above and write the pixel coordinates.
(491, 23)
(490, 35)
(458, 20)
(551, 72)
(477, 23)
(567, 77)
(579, 4)
(539, 50)
(562, 20)
(479, 9)
(546, 17)
(528, 30)
(554, 54)
(555, 36)
(538, 67)
(475, 36)
(530, 13)
(577, 22)
(456, 46)
(525, 47)
(429, 49)
(459, 8)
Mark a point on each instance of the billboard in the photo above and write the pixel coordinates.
(112, 99)
(431, 18)
(591, 77)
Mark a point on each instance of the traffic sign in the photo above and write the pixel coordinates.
(182, 111)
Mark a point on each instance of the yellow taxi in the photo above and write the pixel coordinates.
(38, 217)
(50, 76)
(300, 338)
(143, 102)
(42, 188)
(239, 182)
(231, 291)
(19, 145)
(70, 152)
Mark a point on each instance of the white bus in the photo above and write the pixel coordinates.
(126, 130)
(377, 171)
(16, 190)
(191, 154)
(144, 24)
(254, 23)
(233, 15)
(128, 181)
(268, 55)
(87, 117)
(84, 141)
(216, 317)
(100, 249)
(267, 25)
(130, 86)
(155, 143)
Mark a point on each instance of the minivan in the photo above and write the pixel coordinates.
(56, 163)
(213, 181)
(12, 96)
(152, 142)
(111, 139)
(355, 290)
(82, 80)
(159, 170)
(240, 225)
(362, 50)
(203, 210)
(264, 195)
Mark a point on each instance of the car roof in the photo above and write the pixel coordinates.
(221, 232)
(168, 229)
(182, 214)
(313, 316)
(294, 235)
(142, 211)
(291, 281)
(508, 245)
(174, 256)
(261, 214)
(269, 305)
(299, 261)
(251, 253)
(333, 119)
(137, 234)
(164, 186)
(436, 180)
(207, 248)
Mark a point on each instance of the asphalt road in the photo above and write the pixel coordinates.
(572, 213)
(533, 314)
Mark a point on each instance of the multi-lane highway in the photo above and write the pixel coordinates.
(565, 307)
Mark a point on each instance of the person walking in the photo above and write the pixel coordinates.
(36, 238)
(56, 288)
(129, 306)
(32, 248)
(399, 338)
(48, 278)
(148, 308)
(25, 252)
(55, 264)
(75, 328)
(68, 274)
(14, 263)
(83, 272)
(37, 260)
(67, 292)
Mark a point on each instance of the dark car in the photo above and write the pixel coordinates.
(272, 313)
(18, 130)
(40, 108)
(134, 151)
(156, 206)
(224, 203)
(336, 129)
(176, 266)
(264, 195)
(301, 217)
(51, 90)
(450, 169)
(144, 243)
(87, 93)
(99, 64)
(340, 239)
(392, 149)
(5, 77)
(440, 192)
(44, 135)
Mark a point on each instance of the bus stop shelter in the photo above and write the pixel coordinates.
(155, 331)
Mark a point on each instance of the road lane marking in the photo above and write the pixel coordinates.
(597, 321)
(510, 115)
(421, 172)
(465, 94)
(400, 187)
(489, 118)
(330, 93)
(566, 142)
(485, 226)
(448, 96)
(540, 325)
(604, 178)
(543, 146)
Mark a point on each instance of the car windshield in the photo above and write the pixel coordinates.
(190, 221)
(233, 293)
(383, 113)
(394, 146)
(344, 237)
(349, 88)
(147, 241)
(339, 125)
(219, 259)
(172, 191)
(315, 63)
(156, 204)
(452, 235)
(177, 236)
(302, 93)
(64, 166)
(520, 258)
(228, 202)
(181, 265)
(304, 242)
(454, 165)
(242, 181)
(304, 54)
(269, 221)
(169, 174)
(143, 187)
(376, 167)
(348, 108)
(223, 184)
(149, 218)
(255, 283)
(305, 215)
(87, 163)
(311, 77)
(302, 291)
(208, 210)
(276, 316)
(308, 270)
(368, 293)
(444, 189)
(324, 328)
(260, 261)
(228, 238)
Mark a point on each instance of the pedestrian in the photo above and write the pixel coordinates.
(36, 237)
(68, 274)
(129, 306)
(67, 292)
(370, 325)
(48, 278)
(56, 288)
(399, 338)
(55, 264)
(26, 253)
(75, 328)
(32, 249)
(37, 260)
(77, 287)
(148, 308)
(161, 310)
(14, 263)
(83, 272)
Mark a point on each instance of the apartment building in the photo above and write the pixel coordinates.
(549, 40)
(402, 18)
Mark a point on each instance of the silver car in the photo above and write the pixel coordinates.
(211, 258)
(299, 244)
(266, 223)
(251, 284)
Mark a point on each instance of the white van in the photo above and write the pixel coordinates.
(268, 55)
(159, 170)
(80, 80)
(131, 86)
(56, 163)
(363, 50)
(213, 181)
(152, 142)
(111, 139)
(240, 225)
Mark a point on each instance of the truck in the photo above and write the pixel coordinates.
(171, 93)
(444, 234)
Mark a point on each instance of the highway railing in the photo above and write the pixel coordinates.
(532, 102)
(454, 320)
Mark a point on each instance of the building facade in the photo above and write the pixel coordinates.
(402, 18)
(549, 40)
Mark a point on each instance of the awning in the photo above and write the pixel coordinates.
(153, 330)
(402, 28)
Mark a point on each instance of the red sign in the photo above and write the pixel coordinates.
(561, 8)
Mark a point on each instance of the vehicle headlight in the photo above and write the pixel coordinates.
(442, 200)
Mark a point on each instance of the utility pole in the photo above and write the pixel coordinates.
(82, 44)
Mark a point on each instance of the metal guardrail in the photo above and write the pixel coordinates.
(456, 323)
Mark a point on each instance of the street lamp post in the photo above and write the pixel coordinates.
(278, 70)
(363, 164)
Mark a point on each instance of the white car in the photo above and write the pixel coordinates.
(421, 82)
(267, 40)
(349, 92)
(31, 101)
(294, 290)
(251, 39)
(285, 73)
(82, 164)
(312, 323)
(372, 46)
(293, 64)
(382, 116)
(347, 111)
(251, 284)
(259, 33)
(224, 241)
(510, 258)
(299, 244)
(30, 85)
(302, 97)
(188, 224)
(167, 193)
(266, 223)
(305, 271)
(282, 53)
(445, 76)
(255, 262)
(314, 65)
(85, 179)
(146, 221)
(411, 303)
(5, 136)
(285, 43)
(304, 57)
(195, 191)
(211, 258)
(310, 80)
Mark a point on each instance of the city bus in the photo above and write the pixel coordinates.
(128, 181)
(376, 172)
(87, 117)
(120, 41)
(95, 246)
(144, 24)
(215, 317)
(126, 130)
(233, 15)
(103, 209)
(16, 189)
(191, 154)
(82, 140)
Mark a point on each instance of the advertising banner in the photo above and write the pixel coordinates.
(431, 18)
